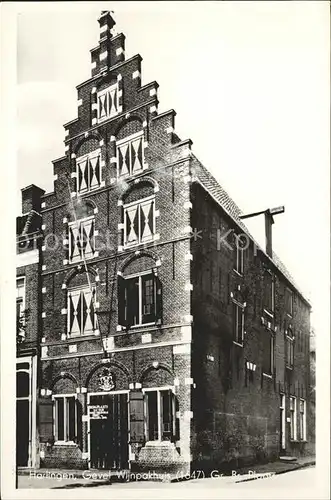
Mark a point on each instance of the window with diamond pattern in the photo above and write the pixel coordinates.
(81, 314)
(108, 102)
(139, 222)
(89, 172)
(81, 239)
(130, 155)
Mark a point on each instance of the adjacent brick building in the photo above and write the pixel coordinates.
(163, 344)
(28, 281)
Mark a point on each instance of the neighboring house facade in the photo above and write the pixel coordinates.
(160, 347)
(28, 275)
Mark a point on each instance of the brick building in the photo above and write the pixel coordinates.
(162, 344)
(28, 276)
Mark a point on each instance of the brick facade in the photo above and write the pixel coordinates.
(218, 414)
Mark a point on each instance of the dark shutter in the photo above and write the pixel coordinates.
(121, 284)
(136, 408)
(158, 299)
(79, 413)
(132, 303)
(45, 419)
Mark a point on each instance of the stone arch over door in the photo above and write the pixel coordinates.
(106, 377)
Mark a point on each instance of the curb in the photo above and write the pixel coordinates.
(261, 475)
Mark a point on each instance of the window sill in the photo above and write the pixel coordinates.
(159, 443)
(267, 375)
(128, 246)
(87, 191)
(82, 336)
(288, 367)
(65, 443)
(268, 313)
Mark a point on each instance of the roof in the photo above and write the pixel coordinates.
(215, 190)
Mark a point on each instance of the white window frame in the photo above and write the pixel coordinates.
(293, 414)
(140, 304)
(23, 279)
(289, 340)
(87, 157)
(79, 223)
(55, 423)
(271, 313)
(283, 422)
(101, 93)
(159, 413)
(140, 203)
(302, 414)
(239, 267)
(21, 299)
(288, 290)
(242, 307)
(76, 289)
(129, 139)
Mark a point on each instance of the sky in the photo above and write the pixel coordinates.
(249, 82)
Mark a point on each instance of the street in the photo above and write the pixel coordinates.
(301, 483)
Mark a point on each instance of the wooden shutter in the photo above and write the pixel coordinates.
(136, 408)
(158, 300)
(121, 284)
(79, 413)
(45, 414)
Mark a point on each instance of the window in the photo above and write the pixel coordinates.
(268, 298)
(108, 102)
(239, 255)
(160, 415)
(88, 171)
(302, 428)
(289, 348)
(140, 299)
(293, 418)
(139, 222)
(81, 239)
(20, 296)
(238, 323)
(130, 155)
(65, 418)
(268, 352)
(289, 301)
(82, 319)
(282, 421)
(20, 306)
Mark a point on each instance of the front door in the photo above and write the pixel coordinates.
(22, 432)
(108, 415)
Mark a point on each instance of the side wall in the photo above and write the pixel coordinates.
(237, 418)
